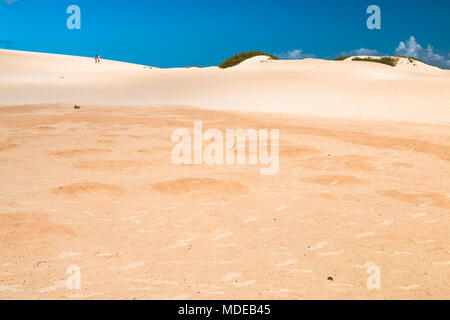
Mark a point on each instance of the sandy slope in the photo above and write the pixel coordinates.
(96, 188)
(361, 90)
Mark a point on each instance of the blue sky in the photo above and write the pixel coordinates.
(178, 33)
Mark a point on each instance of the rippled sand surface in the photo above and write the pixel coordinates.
(96, 188)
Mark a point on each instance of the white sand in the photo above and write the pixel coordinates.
(341, 89)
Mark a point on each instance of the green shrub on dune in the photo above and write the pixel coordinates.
(238, 58)
(341, 58)
(412, 59)
(390, 61)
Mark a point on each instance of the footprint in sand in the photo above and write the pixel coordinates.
(115, 165)
(169, 209)
(88, 187)
(165, 283)
(226, 245)
(146, 231)
(403, 253)
(366, 265)
(76, 152)
(387, 222)
(203, 285)
(132, 219)
(142, 281)
(231, 276)
(199, 186)
(66, 255)
(364, 235)
(320, 245)
(334, 253)
(133, 265)
(306, 270)
(335, 180)
(413, 286)
(342, 285)
(251, 219)
(210, 204)
(178, 244)
(446, 263)
(268, 229)
(10, 289)
(282, 253)
(140, 289)
(429, 241)
(56, 286)
(417, 215)
(244, 284)
(182, 297)
(214, 293)
(287, 263)
(221, 236)
(107, 255)
(87, 296)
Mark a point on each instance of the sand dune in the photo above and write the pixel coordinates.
(344, 89)
(96, 188)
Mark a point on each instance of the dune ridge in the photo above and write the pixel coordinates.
(312, 87)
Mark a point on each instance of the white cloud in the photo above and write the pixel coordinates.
(361, 52)
(412, 48)
(295, 54)
(10, 1)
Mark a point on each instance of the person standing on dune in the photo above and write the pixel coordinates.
(96, 59)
